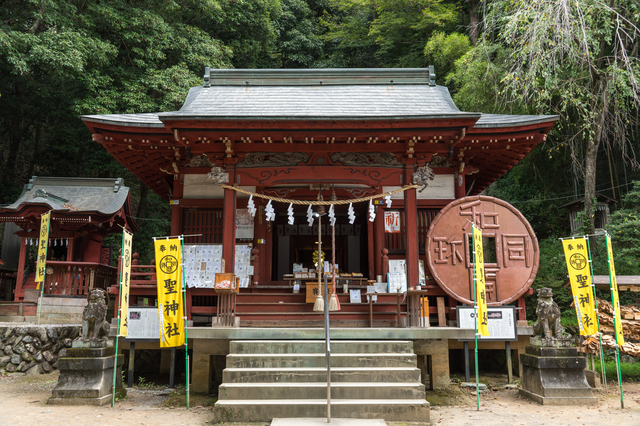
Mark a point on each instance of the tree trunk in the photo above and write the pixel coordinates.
(590, 201)
(143, 203)
(473, 21)
(590, 184)
(36, 148)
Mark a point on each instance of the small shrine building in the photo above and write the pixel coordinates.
(83, 212)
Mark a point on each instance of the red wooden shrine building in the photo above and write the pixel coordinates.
(295, 134)
(83, 212)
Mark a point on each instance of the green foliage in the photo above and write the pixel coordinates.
(532, 191)
(476, 79)
(403, 27)
(387, 33)
(630, 372)
(624, 227)
(442, 50)
(60, 59)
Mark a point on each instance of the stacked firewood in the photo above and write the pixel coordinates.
(590, 345)
(630, 329)
(630, 320)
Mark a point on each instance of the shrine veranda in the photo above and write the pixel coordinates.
(351, 134)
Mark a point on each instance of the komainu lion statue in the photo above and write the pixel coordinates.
(94, 316)
(548, 323)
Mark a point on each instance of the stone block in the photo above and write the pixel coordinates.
(550, 378)
(87, 380)
(593, 378)
(438, 351)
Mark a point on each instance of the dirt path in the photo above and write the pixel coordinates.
(23, 402)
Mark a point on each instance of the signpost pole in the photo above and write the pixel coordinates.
(42, 264)
(475, 322)
(615, 305)
(184, 304)
(595, 301)
(115, 361)
(509, 363)
(328, 348)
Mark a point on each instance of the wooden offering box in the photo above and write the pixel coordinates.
(226, 283)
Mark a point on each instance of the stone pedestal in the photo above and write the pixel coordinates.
(86, 376)
(555, 376)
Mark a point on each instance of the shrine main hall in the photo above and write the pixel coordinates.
(281, 137)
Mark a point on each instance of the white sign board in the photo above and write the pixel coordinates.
(143, 323)
(502, 322)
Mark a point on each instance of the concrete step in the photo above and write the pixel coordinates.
(319, 360)
(314, 374)
(318, 346)
(408, 410)
(318, 390)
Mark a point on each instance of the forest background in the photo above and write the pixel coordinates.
(60, 59)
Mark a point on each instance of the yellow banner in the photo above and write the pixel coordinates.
(43, 242)
(480, 296)
(169, 278)
(615, 300)
(125, 280)
(575, 252)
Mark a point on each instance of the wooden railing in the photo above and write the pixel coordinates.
(78, 278)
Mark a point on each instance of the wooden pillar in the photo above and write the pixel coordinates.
(176, 225)
(176, 208)
(19, 291)
(460, 189)
(259, 242)
(256, 262)
(371, 249)
(385, 264)
(229, 224)
(522, 313)
(378, 238)
(70, 249)
(411, 229)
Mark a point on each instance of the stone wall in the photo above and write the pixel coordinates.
(34, 349)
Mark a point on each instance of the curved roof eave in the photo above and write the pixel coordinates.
(491, 121)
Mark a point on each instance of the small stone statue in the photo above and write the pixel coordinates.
(94, 323)
(548, 328)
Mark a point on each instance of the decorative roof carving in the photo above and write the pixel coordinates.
(439, 161)
(200, 161)
(259, 159)
(386, 159)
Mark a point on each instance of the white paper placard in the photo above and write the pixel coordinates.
(397, 282)
(397, 266)
(502, 322)
(354, 296)
(143, 323)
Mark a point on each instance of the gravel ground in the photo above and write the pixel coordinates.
(23, 402)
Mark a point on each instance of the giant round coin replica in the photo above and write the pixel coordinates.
(511, 253)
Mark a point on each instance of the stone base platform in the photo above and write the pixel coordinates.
(86, 377)
(555, 376)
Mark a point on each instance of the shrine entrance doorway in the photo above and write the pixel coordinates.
(296, 243)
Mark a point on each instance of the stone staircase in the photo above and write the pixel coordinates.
(264, 380)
